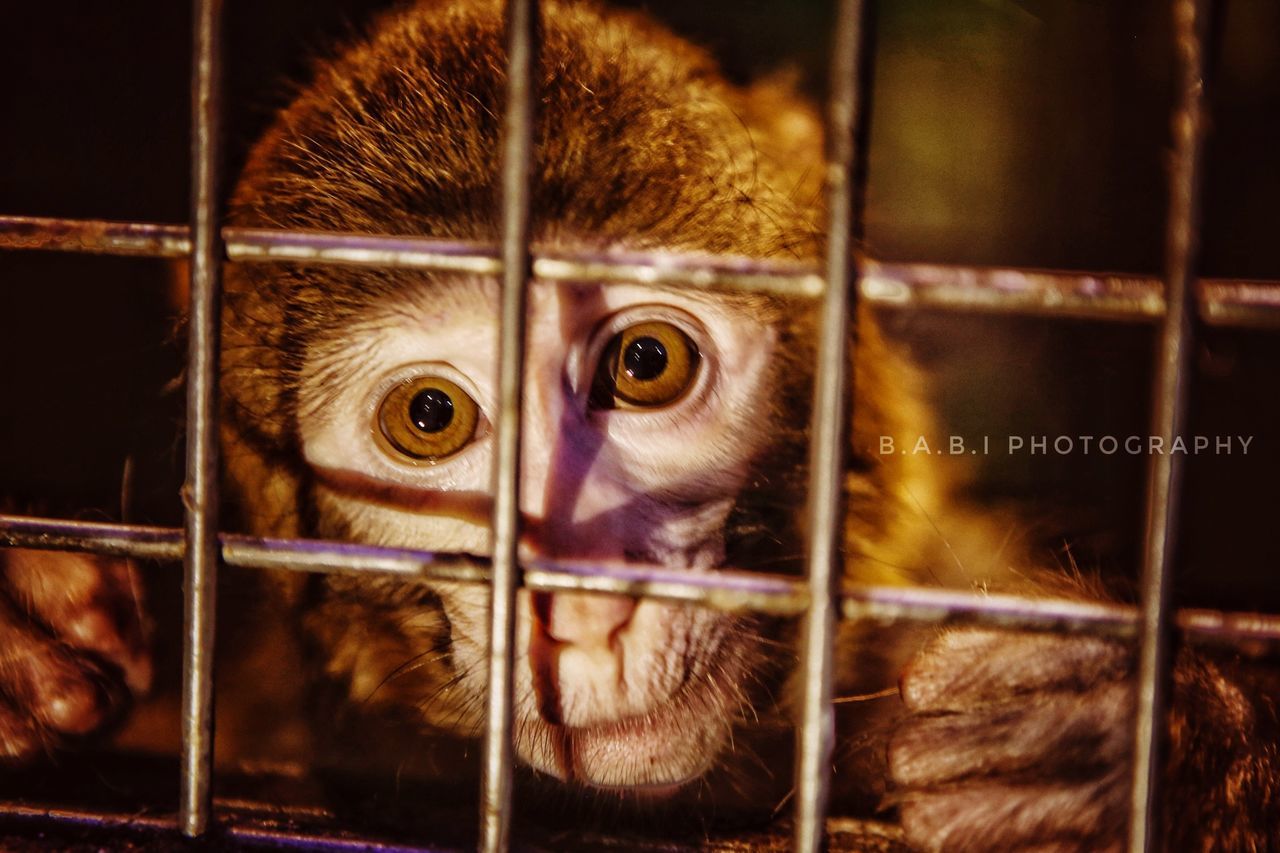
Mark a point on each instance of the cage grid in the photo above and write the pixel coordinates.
(1176, 302)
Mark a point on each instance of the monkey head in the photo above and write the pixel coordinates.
(359, 401)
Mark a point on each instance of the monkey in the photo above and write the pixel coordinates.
(662, 425)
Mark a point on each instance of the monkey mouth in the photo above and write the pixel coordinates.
(649, 752)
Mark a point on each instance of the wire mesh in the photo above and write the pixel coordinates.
(1176, 303)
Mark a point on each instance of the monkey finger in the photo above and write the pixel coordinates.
(19, 735)
(89, 602)
(997, 816)
(1063, 733)
(56, 689)
(966, 668)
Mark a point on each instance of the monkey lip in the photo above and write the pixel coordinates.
(651, 756)
(655, 792)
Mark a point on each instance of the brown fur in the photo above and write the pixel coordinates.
(639, 144)
(1009, 739)
(686, 160)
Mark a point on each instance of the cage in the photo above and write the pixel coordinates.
(1173, 316)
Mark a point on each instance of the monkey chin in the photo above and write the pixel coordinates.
(651, 757)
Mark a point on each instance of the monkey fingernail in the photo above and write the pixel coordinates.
(72, 707)
(96, 632)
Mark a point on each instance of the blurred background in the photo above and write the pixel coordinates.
(1004, 132)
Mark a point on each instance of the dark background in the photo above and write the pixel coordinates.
(1011, 133)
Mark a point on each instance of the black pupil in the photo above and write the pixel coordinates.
(645, 358)
(431, 410)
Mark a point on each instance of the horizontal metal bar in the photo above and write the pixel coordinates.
(1021, 291)
(248, 245)
(86, 817)
(954, 607)
(232, 827)
(1108, 296)
(729, 590)
(690, 270)
(1239, 303)
(301, 828)
(252, 245)
(1103, 296)
(724, 589)
(95, 236)
(110, 540)
(348, 558)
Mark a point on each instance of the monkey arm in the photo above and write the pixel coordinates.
(1018, 738)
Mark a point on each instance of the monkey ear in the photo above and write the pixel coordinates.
(777, 103)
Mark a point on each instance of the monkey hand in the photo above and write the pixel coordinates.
(73, 647)
(1015, 741)
(1022, 741)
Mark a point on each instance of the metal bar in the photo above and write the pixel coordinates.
(517, 165)
(1058, 293)
(1051, 293)
(95, 236)
(255, 245)
(727, 589)
(686, 270)
(113, 540)
(815, 735)
(1169, 419)
(259, 245)
(1012, 612)
(1254, 304)
(281, 832)
(1104, 296)
(200, 492)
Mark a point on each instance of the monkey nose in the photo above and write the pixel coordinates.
(586, 620)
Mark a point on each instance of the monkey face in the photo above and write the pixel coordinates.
(644, 411)
(360, 402)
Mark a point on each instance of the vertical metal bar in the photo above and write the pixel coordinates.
(831, 410)
(1169, 417)
(200, 493)
(517, 156)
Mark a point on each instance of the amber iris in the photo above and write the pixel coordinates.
(426, 418)
(647, 365)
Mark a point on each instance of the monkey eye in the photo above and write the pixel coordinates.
(426, 419)
(647, 365)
